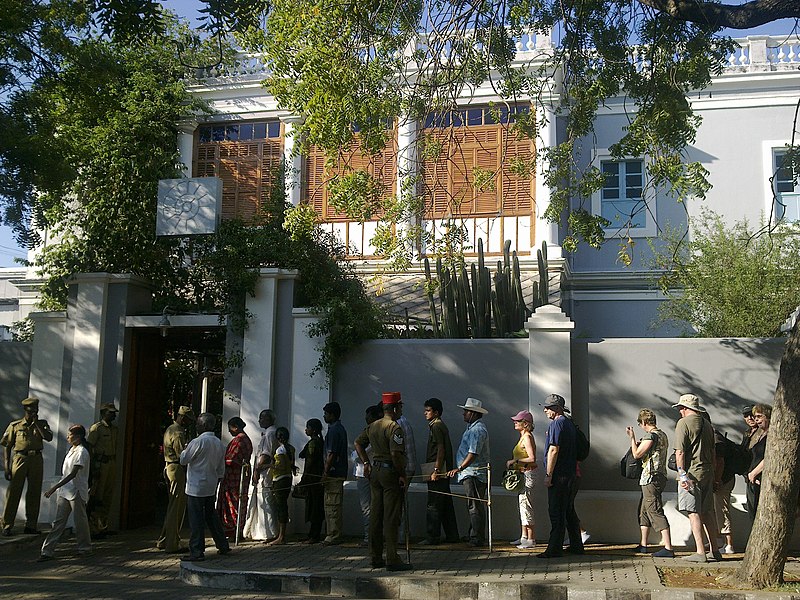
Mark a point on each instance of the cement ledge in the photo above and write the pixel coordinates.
(408, 587)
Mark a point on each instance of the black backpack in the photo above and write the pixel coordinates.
(737, 457)
(581, 444)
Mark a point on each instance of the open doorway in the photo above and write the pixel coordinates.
(185, 367)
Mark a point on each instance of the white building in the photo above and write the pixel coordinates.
(747, 113)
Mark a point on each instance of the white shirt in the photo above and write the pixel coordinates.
(204, 458)
(79, 486)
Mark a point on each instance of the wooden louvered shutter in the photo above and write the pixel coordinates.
(517, 192)
(315, 189)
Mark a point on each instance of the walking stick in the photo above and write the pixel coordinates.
(244, 481)
(406, 528)
(489, 501)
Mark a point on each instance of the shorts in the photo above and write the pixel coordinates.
(699, 500)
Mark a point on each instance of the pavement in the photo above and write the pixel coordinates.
(127, 565)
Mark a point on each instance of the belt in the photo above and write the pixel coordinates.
(380, 463)
(28, 452)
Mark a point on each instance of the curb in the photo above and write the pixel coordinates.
(431, 588)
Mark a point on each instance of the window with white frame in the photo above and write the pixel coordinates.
(786, 186)
(620, 198)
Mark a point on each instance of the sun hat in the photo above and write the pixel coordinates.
(554, 400)
(474, 405)
(691, 402)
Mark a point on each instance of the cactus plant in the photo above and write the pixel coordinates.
(472, 307)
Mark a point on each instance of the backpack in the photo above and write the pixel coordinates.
(581, 444)
(629, 467)
(737, 457)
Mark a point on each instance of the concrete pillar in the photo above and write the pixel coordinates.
(549, 358)
(45, 382)
(310, 390)
(186, 144)
(266, 351)
(97, 343)
(294, 161)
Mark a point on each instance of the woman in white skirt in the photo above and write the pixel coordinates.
(73, 494)
(524, 459)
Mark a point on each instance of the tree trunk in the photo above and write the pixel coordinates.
(769, 539)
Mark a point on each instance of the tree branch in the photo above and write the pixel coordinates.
(743, 16)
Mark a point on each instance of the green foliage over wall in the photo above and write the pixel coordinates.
(731, 280)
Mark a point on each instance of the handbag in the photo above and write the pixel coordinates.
(513, 480)
(630, 467)
(671, 462)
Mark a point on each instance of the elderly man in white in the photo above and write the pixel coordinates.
(204, 459)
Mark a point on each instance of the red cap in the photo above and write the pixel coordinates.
(390, 398)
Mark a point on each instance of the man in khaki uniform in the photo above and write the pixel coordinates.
(102, 439)
(387, 476)
(175, 440)
(24, 441)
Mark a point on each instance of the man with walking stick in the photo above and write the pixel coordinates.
(388, 481)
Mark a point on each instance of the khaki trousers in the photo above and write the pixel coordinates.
(24, 468)
(170, 538)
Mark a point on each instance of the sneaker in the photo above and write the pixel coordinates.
(517, 541)
(728, 550)
(641, 550)
(664, 553)
(714, 556)
(526, 544)
(585, 536)
(698, 558)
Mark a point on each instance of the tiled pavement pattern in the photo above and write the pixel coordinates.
(128, 566)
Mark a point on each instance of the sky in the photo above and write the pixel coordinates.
(9, 249)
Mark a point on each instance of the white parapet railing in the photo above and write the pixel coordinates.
(761, 53)
(253, 66)
(754, 54)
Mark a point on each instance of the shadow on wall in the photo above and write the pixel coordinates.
(15, 368)
(617, 378)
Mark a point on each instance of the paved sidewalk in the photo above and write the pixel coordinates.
(127, 565)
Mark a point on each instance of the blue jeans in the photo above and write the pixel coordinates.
(561, 507)
(201, 513)
(475, 488)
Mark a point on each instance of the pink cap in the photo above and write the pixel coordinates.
(523, 415)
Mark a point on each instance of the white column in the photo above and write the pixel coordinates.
(310, 392)
(406, 161)
(294, 161)
(549, 354)
(545, 231)
(259, 348)
(186, 145)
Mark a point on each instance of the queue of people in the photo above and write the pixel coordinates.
(211, 483)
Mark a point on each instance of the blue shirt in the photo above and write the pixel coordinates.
(561, 433)
(474, 441)
(336, 442)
